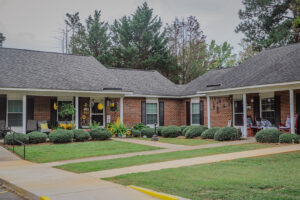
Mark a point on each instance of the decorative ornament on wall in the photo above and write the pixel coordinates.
(113, 106)
(55, 106)
(100, 106)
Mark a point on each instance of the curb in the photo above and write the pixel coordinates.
(20, 191)
(152, 193)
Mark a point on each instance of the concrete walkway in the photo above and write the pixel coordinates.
(170, 148)
(194, 161)
(57, 184)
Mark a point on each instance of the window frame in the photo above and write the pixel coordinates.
(192, 114)
(98, 113)
(262, 111)
(238, 113)
(18, 113)
(156, 114)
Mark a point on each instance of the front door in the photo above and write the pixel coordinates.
(298, 111)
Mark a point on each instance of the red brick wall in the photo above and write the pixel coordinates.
(220, 111)
(132, 111)
(41, 109)
(174, 110)
(113, 114)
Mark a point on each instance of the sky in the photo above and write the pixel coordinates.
(37, 24)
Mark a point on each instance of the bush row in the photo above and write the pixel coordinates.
(275, 136)
(59, 136)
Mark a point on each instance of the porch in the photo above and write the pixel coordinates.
(251, 107)
(20, 111)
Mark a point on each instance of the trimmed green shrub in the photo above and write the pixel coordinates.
(149, 132)
(159, 129)
(185, 130)
(171, 131)
(195, 131)
(227, 133)
(140, 126)
(61, 136)
(81, 135)
(182, 129)
(136, 133)
(37, 137)
(210, 133)
(100, 134)
(268, 136)
(288, 138)
(18, 136)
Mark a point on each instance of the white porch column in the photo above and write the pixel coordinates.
(208, 111)
(121, 109)
(245, 134)
(77, 112)
(24, 115)
(292, 111)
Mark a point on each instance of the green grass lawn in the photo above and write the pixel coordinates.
(182, 141)
(270, 177)
(55, 152)
(99, 165)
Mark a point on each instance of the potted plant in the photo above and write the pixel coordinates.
(119, 129)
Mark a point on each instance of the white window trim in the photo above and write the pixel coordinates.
(98, 100)
(193, 100)
(13, 97)
(153, 100)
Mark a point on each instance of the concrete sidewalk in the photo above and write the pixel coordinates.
(194, 161)
(171, 148)
(61, 185)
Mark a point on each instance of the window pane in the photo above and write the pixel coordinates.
(151, 108)
(151, 118)
(238, 106)
(95, 108)
(195, 118)
(238, 119)
(98, 118)
(268, 109)
(195, 108)
(14, 119)
(15, 106)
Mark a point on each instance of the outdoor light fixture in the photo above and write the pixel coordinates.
(154, 137)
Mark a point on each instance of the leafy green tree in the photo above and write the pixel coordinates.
(2, 39)
(92, 39)
(247, 52)
(268, 23)
(220, 56)
(139, 42)
(187, 45)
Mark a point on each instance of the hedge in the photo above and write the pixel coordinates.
(149, 132)
(227, 133)
(19, 136)
(37, 137)
(171, 131)
(139, 126)
(268, 136)
(136, 133)
(61, 136)
(159, 129)
(185, 130)
(289, 138)
(100, 134)
(81, 135)
(210, 133)
(195, 131)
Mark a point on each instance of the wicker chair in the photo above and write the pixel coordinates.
(31, 125)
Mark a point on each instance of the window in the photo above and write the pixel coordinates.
(195, 113)
(151, 113)
(268, 109)
(14, 112)
(66, 118)
(97, 115)
(238, 113)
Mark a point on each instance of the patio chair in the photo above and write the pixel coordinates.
(3, 129)
(287, 126)
(43, 127)
(31, 125)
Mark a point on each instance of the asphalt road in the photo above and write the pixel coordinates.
(7, 195)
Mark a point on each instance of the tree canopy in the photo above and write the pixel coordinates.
(2, 39)
(270, 23)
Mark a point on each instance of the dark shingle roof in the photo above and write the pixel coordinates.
(276, 65)
(147, 82)
(46, 70)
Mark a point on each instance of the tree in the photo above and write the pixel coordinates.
(92, 39)
(2, 39)
(187, 45)
(220, 56)
(139, 42)
(247, 52)
(269, 23)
